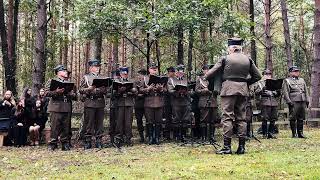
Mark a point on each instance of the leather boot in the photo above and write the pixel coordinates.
(176, 133)
(99, 144)
(141, 134)
(150, 134)
(226, 146)
(87, 143)
(52, 146)
(265, 128)
(203, 134)
(212, 130)
(300, 129)
(157, 134)
(65, 146)
(183, 134)
(241, 147)
(293, 129)
(271, 130)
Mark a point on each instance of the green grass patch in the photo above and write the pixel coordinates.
(282, 158)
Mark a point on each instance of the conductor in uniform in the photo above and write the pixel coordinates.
(238, 71)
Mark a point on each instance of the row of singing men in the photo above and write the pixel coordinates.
(166, 104)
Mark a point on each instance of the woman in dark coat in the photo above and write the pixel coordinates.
(19, 128)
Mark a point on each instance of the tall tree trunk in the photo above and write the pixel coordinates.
(38, 75)
(115, 53)
(87, 56)
(268, 38)
(66, 32)
(303, 41)
(148, 54)
(203, 37)
(315, 76)
(158, 54)
(9, 43)
(286, 31)
(180, 45)
(98, 46)
(190, 48)
(124, 51)
(252, 31)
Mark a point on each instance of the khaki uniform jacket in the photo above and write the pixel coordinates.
(153, 99)
(267, 98)
(125, 99)
(95, 98)
(139, 99)
(295, 90)
(206, 98)
(59, 102)
(176, 99)
(238, 70)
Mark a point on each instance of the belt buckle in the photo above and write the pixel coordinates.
(65, 100)
(124, 95)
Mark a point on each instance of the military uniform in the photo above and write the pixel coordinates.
(60, 109)
(296, 96)
(208, 108)
(94, 104)
(238, 70)
(167, 109)
(268, 106)
(113, 109)
(139, 107)
(153, 104)
(125, 104)
(180, 103)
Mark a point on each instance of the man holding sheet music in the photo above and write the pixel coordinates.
(180, 102)
(93, 88)
(61, 92)
(124, 92)
(153, 88)
(269, 103)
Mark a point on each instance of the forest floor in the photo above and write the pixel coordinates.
(282, 158)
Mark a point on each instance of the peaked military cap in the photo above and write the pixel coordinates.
(171, 69)
(294, 68)
(205, 67)
(94, 62)
(153, 65)
(235, 41)
(124, 69)
(60, 67)
(180, 67)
